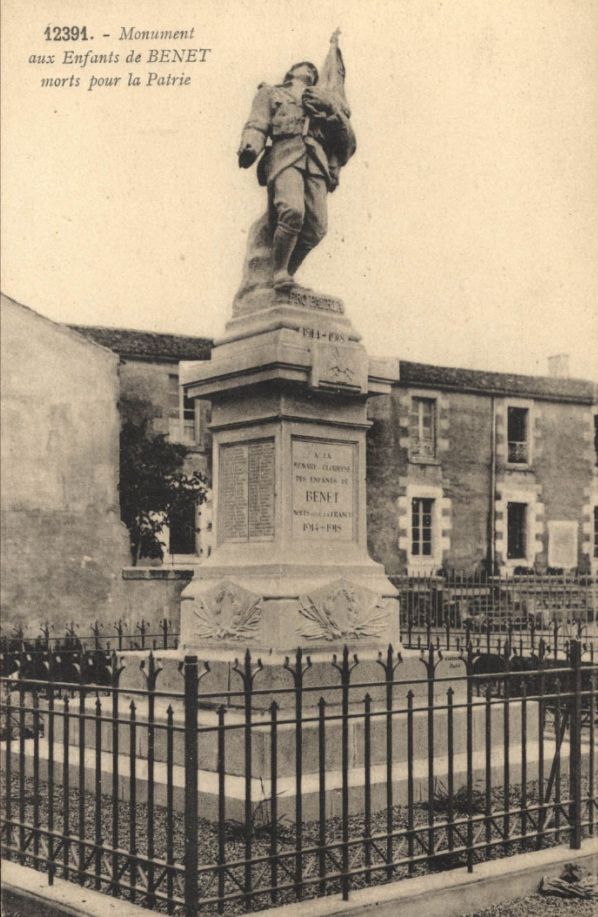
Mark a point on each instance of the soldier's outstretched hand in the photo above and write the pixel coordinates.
(247, 156)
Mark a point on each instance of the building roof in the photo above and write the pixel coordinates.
(148, 345)
(475, 380)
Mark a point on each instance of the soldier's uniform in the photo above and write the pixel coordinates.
(295, 166)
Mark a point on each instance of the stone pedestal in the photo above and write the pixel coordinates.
(223, 736)
(289, 385)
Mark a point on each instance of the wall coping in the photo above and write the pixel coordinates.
(157, 573)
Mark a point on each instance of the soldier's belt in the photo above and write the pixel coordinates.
(290, 127)
(286, 135)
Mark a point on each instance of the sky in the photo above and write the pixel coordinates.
(465, 229)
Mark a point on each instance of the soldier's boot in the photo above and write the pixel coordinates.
(283, 244)
(300, 252)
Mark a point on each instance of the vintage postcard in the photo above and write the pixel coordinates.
(299, 456)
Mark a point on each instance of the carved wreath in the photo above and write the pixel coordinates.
(231, 613)
(337, 615)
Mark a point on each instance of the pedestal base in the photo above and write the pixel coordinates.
(307, 740)
(277, 608)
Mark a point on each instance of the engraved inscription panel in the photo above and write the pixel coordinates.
(233, 493)
(260, 495)
(246, 491)
(323, 490)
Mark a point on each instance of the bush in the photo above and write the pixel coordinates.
(153, 487)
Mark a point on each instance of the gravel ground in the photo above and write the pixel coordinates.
(235, 840)
(540, 906)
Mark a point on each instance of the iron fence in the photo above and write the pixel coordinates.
(453, 610)
(257, 784)
(449, 610)
(120, 636)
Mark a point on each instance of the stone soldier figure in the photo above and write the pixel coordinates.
(305, 135)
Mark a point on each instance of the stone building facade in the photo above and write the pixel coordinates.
(472, 471)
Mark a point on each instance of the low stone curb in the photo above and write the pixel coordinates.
(27, 891)
(454, 893)
(446, 894)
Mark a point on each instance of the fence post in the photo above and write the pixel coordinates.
(575, 812)
(191, 762)
(469, 728)
(345, 668)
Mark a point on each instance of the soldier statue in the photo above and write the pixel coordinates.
(302, 127)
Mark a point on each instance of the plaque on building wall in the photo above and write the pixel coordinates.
(562, 544)
(324, 490)
(246, 491)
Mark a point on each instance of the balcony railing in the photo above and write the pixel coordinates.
(518, 452)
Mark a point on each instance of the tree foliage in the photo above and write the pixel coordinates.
(153, 486)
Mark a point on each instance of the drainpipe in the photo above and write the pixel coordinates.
(491, 537)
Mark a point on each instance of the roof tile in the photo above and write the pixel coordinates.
(498, 383)
(128, 342)
(174, 347)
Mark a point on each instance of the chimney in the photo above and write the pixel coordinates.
(558, 366)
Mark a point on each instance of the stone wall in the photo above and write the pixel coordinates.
(145, 393)
(386, 460)
(466, 472)
(63, 545)
(565, 467)
(152, 594)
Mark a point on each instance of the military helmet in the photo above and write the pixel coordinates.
(303, 63)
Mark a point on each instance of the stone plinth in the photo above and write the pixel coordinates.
(429, 732)
(289, 385)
